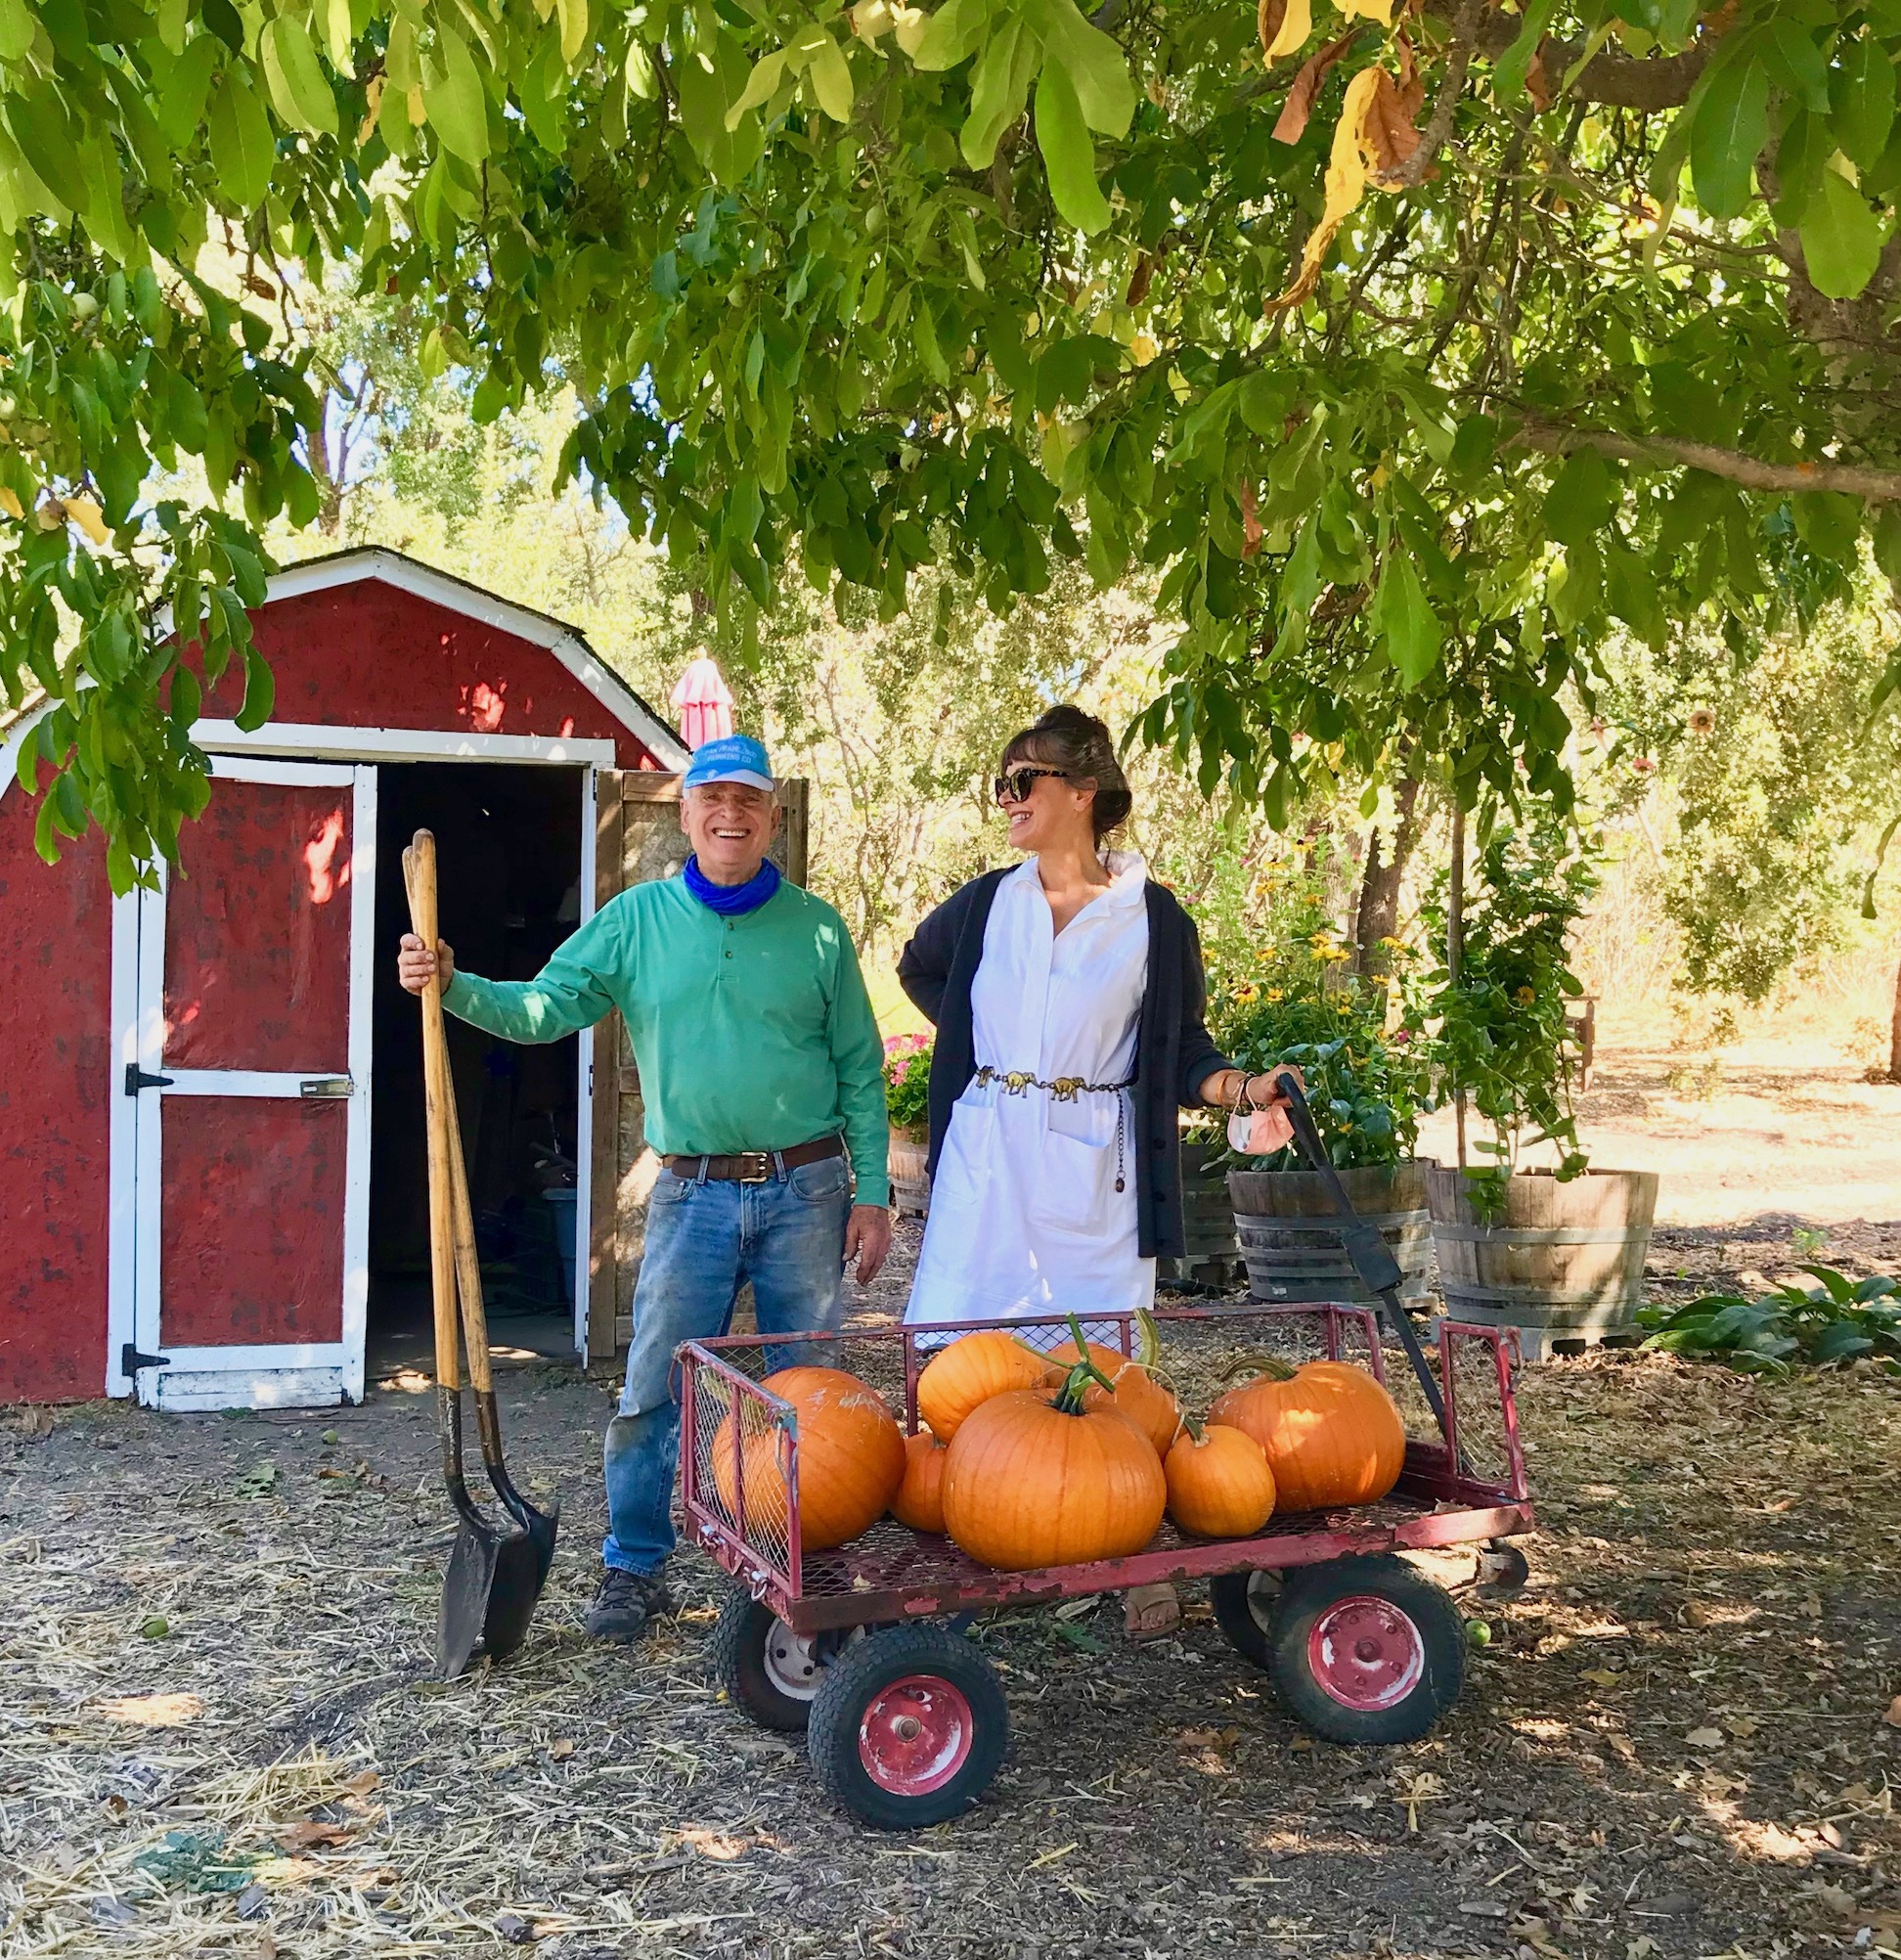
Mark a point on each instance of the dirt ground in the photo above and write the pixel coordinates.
(219, 1734)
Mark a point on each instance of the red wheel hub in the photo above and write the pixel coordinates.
(1366, 1653)
(916, 1734)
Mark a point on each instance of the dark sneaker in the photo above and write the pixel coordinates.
(625, 1603)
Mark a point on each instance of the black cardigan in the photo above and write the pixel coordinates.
(1174, 1053)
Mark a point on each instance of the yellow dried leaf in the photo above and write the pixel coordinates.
(372, 91)
(1347, 178)
(1296, 25)
(1368, 10)
(90, 518)
(10, 503)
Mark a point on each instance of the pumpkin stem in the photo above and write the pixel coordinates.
(1068, 1397)
(1197, 1431)
(1148, 1339)
(1258, 1362)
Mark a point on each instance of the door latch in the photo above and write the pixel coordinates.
(326, 1088)
(137, 1079)
(131, 1361)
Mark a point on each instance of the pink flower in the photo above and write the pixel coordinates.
(1642, 764)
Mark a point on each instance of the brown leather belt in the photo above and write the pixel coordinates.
(755, 1167)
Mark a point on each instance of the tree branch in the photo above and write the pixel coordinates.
(1879, 486)
(1466, 25)
(1611, 77)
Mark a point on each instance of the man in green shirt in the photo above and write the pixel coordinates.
(761, 1067)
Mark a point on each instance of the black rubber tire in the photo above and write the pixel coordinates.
(1310, 1590)
(738, 1655)
(1243, 1603)
(853, 1684)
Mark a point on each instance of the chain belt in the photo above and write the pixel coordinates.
(1064, 1088)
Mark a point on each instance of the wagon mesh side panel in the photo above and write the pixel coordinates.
(1479, 1402)
(742, 1459)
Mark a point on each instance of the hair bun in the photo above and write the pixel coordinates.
(1078, 744)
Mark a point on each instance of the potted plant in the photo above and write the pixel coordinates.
(1558, 1250)
(907, 1104)
(1367, 1090)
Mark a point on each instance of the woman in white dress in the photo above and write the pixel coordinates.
(1068, 993)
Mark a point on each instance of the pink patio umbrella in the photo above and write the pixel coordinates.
(702, 703)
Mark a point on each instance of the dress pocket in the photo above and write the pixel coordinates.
(1072, 1192)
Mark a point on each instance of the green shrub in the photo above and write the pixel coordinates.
(1837, 1320)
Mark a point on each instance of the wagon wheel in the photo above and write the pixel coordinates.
(770, 1672)
(1365, 1650)
(908, 1727)
(1244, 1609)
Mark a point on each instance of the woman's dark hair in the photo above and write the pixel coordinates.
(1078, 744)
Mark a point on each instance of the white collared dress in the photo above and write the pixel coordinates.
(1025, 1214)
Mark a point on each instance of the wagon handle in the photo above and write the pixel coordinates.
(1379, 1272)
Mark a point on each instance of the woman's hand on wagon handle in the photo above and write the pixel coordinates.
(416, 966)
(1233, 1088)
(1258, 1104)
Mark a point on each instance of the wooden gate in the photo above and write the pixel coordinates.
(639, 838)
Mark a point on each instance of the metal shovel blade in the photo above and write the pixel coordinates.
(540, 1525)
(513, 1584)
(468, 1587)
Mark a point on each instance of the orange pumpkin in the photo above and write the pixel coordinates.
(1138, 1391)
(920, 1502)
(1031, 1478)
(851, 1458)
(1219, 1485)
(1331, 1433)
(968, 1372)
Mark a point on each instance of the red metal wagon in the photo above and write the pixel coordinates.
(865, 1647)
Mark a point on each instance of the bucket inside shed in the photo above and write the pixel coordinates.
(508, 855)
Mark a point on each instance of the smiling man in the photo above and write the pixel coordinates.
(763, 1075)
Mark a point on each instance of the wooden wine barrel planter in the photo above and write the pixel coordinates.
(1285, 1221)
(910, 1181)
(1566, 1261)
(1211, 1255)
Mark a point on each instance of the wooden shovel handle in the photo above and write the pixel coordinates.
(462, 1214)
(420, 875)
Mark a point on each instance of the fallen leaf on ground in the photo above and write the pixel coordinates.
(1894, 1716)
(154, 1711)
(1705, 1738)
(306, 1833)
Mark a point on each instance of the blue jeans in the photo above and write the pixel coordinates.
(704, 1238)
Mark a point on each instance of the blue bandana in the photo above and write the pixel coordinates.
(730, 901)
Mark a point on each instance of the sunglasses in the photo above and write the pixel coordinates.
(1014, 785)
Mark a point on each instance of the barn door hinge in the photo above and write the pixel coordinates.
(137, 1079)
(131, 1361)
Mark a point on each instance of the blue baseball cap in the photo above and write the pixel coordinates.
(733, 758)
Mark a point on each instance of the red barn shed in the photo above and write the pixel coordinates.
(187, 1129)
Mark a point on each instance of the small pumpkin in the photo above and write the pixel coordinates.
(1137, 1389)
(1331, 1433)
(1032, 1478)
(1220, 1483)
(920, 1502)
(851, 1458)
(968, 1372)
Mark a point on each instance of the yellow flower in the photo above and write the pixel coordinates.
(1247, 991)
(1526, 995)
(1275, 994)
(1331, 953)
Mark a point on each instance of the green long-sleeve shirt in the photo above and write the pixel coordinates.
(752, 1032)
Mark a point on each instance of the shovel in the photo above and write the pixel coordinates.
(492, 1581)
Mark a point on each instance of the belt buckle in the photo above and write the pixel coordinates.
(755, 1167)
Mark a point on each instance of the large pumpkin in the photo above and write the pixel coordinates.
(1331, 1433)
(851, 1458)
(968, 1372)
(1219, 1485)
(1031, 1478)
(920, 1502)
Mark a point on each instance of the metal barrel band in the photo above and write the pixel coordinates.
(1379, 1221)
(1540, 1235)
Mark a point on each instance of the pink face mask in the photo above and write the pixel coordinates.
(1259, 1133)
